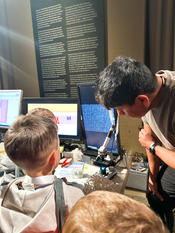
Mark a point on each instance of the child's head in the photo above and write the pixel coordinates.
(103, 211)
(31, 142)
(42, 112)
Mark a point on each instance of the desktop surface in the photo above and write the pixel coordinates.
(91, 178)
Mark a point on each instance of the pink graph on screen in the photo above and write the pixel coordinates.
(57, 120)
(65, 119)
(3, 110)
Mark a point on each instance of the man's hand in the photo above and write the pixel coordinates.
(145, 138)
(152, 187)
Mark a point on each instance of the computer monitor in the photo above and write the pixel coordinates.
(66, 113)
(10, 107)
(96, 121)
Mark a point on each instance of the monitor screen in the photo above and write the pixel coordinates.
(96, 120)
(10, 106)
(66, 113)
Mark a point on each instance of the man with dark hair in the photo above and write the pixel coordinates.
(129, 86)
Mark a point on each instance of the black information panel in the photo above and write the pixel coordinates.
(70, 44)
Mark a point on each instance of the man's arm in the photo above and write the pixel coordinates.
(154, 161)
(146, 138)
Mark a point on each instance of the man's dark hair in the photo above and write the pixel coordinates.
(122, 81)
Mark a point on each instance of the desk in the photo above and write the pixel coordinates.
(92, 180)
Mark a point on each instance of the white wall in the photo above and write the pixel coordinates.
(16, 27)
(126, 27)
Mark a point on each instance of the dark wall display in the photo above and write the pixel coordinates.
(70, 44)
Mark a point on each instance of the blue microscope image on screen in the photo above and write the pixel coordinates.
(96, 120)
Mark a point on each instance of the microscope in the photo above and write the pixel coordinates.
(106, 158)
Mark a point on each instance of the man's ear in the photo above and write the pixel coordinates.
(143, 99)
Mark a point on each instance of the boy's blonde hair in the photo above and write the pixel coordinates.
(30, 140)
(109, 212)
(42, 112)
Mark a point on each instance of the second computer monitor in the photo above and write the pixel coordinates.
(96, 120)
(66, 113)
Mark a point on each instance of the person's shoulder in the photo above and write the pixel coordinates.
(166, 73)
(71, 195)
(10, 187)
(73, 189)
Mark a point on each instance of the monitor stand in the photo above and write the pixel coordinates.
(108, 160)
(104, 163)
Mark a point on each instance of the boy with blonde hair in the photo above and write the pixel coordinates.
(28, 203)
(42, 112)
(110, 212)
(17, 172)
